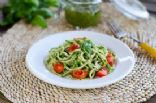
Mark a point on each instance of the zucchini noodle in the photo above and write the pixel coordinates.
(87, 57)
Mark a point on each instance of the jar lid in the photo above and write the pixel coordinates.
(133, 9)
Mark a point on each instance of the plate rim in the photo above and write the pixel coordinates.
(81, 87)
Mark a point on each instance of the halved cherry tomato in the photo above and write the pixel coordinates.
(58, 67)
(102, 72)
(110, 59)
(73, 47)
(80, 74)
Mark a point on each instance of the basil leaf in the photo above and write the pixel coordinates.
(45, 12)
(33, 2)
(52, 2)
(87, 46)
(3, 23)
(39, 20)
(32, 11)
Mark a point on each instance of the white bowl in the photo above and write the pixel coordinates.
(37, 53)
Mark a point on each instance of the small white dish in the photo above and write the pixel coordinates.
(38, 52)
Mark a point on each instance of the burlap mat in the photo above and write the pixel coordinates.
(20, 86)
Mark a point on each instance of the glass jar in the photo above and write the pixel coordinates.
(82, 13)
(133, 9)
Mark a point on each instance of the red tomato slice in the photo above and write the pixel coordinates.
(80, 74)
(58, 67)
(73, 47)
(102, 72)
(110, 59)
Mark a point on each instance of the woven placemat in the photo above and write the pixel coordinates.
(20, 86)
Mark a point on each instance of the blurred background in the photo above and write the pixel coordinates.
(150, 4)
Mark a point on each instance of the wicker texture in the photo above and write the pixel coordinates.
(20, 86)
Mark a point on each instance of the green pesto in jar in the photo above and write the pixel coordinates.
(82, 19)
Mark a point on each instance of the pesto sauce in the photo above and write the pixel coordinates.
(82, 19)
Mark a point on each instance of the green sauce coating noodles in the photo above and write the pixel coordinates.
(87, 57)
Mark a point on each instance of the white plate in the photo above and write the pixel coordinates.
(37, 53)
